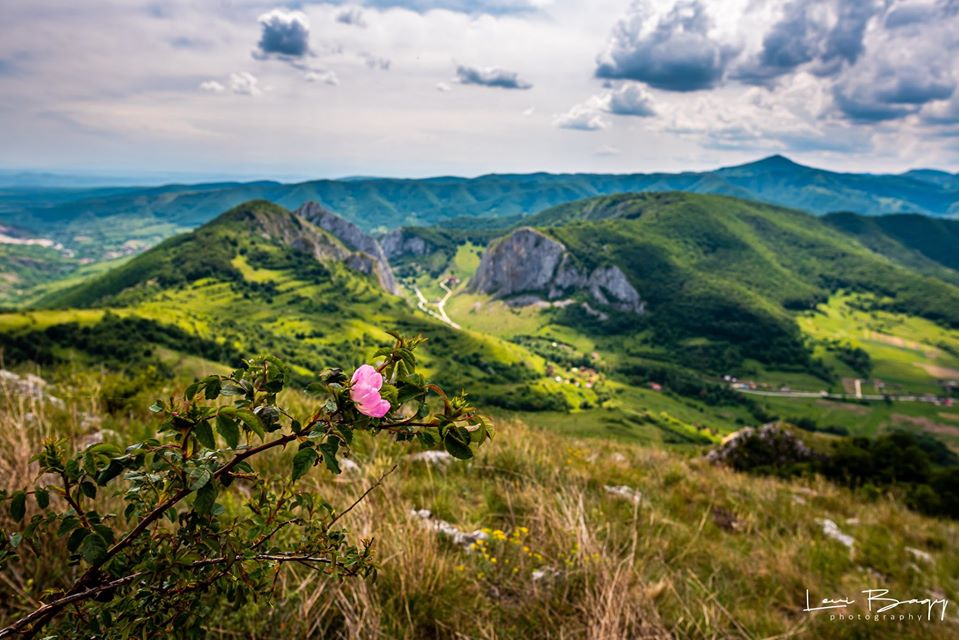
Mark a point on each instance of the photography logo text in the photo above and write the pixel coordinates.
(879, 606)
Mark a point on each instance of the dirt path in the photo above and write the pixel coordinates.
(423, 305)
(441, 306)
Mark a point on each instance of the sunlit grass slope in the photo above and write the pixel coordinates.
(703, 552)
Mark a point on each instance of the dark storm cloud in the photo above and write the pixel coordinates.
(792, 41)
(909, 68)
(890, 93)
(676, 55)
(490, 77)
(823, 34)
(844, 43)
(284, 34)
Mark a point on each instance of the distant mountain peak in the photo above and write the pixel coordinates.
(774, 162)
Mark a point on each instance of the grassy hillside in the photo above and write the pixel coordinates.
(723, 277)
(731, 287)
(685, 549)
(238, 283)
(604, 518)
(919, 241)
(25, 267)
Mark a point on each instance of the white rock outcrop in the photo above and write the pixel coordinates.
(529, 261)
(367, 255)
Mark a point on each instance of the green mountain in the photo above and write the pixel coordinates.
(919, 241)
(260, 278)
(721, 281)
(575, 310)
(103, 221)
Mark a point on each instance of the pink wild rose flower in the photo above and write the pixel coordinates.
(365, 392)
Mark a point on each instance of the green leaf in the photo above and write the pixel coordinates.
(69, 523)
(94, 548)
(15, 539)
(204, 434)
(89, 489)
(73, 542)
(18, 505)
(302, 461)
(113, 469)
(105, 532)
(232, 390)
(346, 432)
(456, 447)
(200, 477)
(42, 496)
(212, 389)
(252, 422)
(205, 498)
(426, 438)
(104, 448)
(157, 407)
(329, 448)
(228, 428)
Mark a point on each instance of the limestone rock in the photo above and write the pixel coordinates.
(529, 261)
(400, 242)
(367, 255)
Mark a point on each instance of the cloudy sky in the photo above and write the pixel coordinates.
(417, 87)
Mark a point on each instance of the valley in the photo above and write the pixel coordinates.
(615, 339)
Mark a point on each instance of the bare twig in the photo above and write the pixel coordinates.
(361, 498)
(51, 608)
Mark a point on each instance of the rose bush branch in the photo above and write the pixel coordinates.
(178, 531)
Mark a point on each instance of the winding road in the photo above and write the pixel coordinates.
(440, 314)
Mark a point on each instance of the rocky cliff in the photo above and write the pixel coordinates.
(401, 242)
(528, 261)
(365, 255)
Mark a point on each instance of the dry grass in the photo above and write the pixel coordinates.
(708, 553)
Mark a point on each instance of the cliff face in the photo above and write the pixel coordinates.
(399, 243)
(528, 261)
(366, 255)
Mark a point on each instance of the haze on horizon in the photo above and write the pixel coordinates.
(412, 88)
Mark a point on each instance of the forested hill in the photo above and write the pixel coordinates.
(87, 219)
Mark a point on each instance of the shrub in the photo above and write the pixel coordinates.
(183, 543)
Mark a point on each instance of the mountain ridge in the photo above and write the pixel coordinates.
(379, 204)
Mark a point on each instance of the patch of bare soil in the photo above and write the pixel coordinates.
(944, 373)
(895, 341)
(927, 425)
(858, 409)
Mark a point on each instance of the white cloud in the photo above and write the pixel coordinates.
(625, 99)
(323, 77)
(212, 86)
(76, 98)
(376, 62)
(490, 77)
(629, 99)
(582, 117)
(245, 84)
